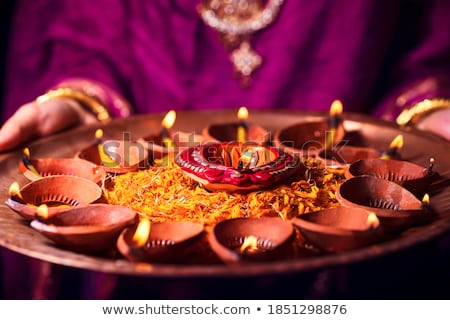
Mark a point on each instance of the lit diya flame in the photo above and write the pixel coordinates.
(242, 127)
(105, 158)
(142, 232)
(14, 190)
(249, 245)
(26, 160)
(372, 221)
(167, 123)
(426, 201)
(430, 166)
(248, 160)
(394, 146)
(334, 122)
(42, 211)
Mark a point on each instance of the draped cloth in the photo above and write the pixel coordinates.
(160, 55)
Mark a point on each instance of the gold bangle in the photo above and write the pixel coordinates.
(92, 104)
(418, 110)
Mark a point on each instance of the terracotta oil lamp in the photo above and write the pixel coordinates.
(59, 193)
(167, 143)
(411, 176)
(116, 156)
(237, 167)
(251, 239)
(343, 156)
(339, 229)
(240, 131)
(34, 169)
(91, 228)
(162, 143)
(394, 147)
(307, 138)
(396, 207)
(165, 242)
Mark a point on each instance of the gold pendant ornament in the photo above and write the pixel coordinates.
(236, 21)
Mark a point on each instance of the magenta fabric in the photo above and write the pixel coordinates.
(160, 55)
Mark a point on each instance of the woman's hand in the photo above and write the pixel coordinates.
(39, 119)
(437, 122)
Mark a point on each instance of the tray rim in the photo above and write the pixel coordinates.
(71, 259)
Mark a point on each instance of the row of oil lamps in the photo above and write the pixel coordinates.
(380, 197)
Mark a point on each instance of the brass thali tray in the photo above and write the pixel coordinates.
(18, 236)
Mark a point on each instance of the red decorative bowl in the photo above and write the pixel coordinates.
(237, 167)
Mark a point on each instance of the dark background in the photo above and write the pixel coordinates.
(6, 9)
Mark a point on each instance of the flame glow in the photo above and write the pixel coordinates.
(105, 158)
(242, 128)
(142, 232)
(336, 108)
(169, 119)
(14, 190)
(430, 166)
(426, 199)
(250, 244)
(242, 113)
(98, 133)
(42, 211)
(397, 143)
(26, 152)
(372, 221)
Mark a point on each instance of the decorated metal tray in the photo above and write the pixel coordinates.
(424, 150)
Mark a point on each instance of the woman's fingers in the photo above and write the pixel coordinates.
(34, 120)
(437, 122)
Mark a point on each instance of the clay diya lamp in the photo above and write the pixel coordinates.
(91, 228)
(167, 143)
(59, 193)
(161, 144)
(396, 207)
(116, 156)
(179, 142)
(240, 131)
(411, 176)
(164, 242)
(307, 138)
(34, 169)
(237, 167)
(393, 151)
(344, 155)
(341, 157)
(251, 239)
(339, 229)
